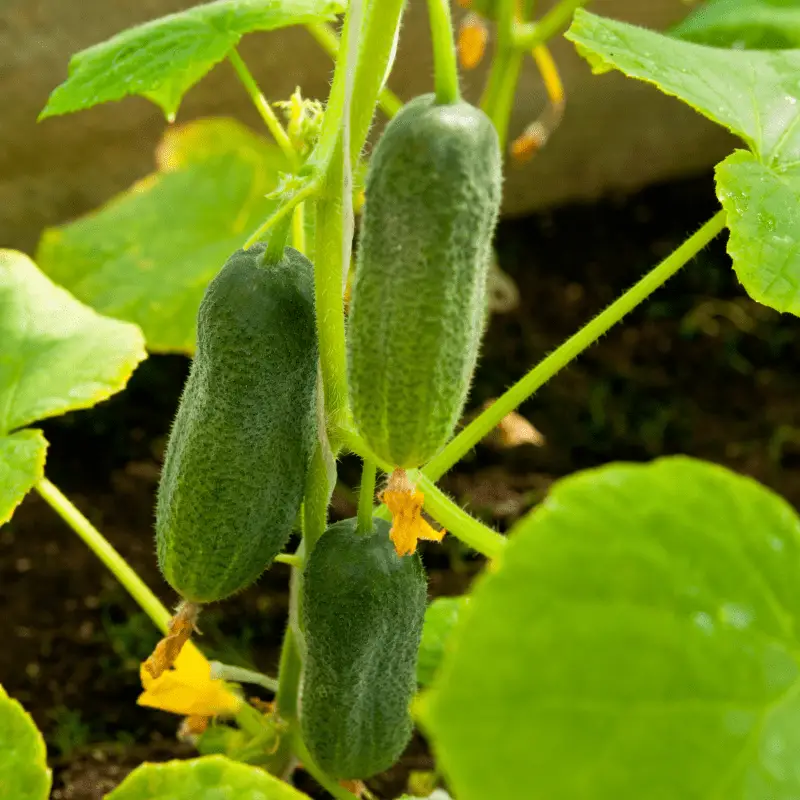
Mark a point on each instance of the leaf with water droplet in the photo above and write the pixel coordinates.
(162, 59)
(638, 639)
(763, 206)
(752, 93)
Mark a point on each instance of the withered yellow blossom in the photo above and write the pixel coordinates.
(181, 627)
(408, 524)
(187, 688)
(177, 676)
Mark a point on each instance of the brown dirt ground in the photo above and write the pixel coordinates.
(700, 369)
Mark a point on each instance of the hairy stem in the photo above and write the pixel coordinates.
(100, 546)
(531, 35)
(444, 52)
(264, 108)
(571, 349)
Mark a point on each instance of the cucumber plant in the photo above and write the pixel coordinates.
(635, 635)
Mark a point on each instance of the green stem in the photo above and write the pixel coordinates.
(299, 228)
(444, 52)
(460, 524)
(100, 546)
(288, 206)
(531, 35)
(291, 667)
(498, 97)
(264, 108)
(326, 37)
(316, 500)
(233, 674)
(328, 289)
(325, 781)
(290, 559)
(366, 496)
(571, 349)
(278, 238)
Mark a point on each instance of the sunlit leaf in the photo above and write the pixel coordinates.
(57, 355)
(24, 774)
(164, 58)
(205, 778)
(755, 94)
(639, 639)
(22, 457)
(753, 24)
(763, 207)
(148, 255)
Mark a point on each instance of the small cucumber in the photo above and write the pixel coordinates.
(362, 610)
(237, 457)
(419, 296)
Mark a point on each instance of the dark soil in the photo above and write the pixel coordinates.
(699, 369)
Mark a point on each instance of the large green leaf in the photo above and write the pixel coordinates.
(753, 93)
(638, 640)
(22, 457)
(163, 59)
(754, 24)
(763, 207)
(56, 355)
(148, 255)
(24, 774)
(206, 778)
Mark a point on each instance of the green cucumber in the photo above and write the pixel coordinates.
(419, 295)
(362, 611)
(237, 457)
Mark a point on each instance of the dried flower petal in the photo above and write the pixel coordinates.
(188, 688)
(181, 627)
(408, 524)
(473, 34)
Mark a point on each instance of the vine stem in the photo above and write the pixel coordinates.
(571, 349)
(264, 108)
(498, 97)
(449, 514)
(102, 548)
(444, 52)
(326, 37)
(366, 495)
(530, 35)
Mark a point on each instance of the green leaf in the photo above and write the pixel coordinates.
(639, 639)
(440, 619)
(753, 93)
(22, 457)
(206, 778)
(57, 355)
(24, 774)
(751, 24)
(763, 207)
(148, 255)
(164, 58)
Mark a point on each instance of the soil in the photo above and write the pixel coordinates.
(699, 369)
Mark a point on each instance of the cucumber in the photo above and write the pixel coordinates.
(237, 456)
(362, 611)
(419, 294)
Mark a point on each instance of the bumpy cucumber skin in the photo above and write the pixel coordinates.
(363, 608)
(238, 453)
(419, 296)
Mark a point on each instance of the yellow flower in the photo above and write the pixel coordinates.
(187, 688)
(408, 524)
(177, 676)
